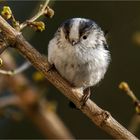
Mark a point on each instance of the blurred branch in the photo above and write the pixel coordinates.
(22, 68)
(46, 120)
(100, 117)
(134, 124)
(9, 101)
(125, 87)
(30, 102)
(18, 70)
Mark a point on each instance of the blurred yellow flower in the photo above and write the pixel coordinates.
(6, 12)
(37, 25)
(37, 76)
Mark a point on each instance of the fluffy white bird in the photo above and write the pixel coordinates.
(79, 52)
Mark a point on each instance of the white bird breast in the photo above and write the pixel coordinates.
(81, 66)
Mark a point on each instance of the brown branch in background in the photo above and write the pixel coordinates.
(45, 119)
(100, 117)
(9, 101)
(39, 111)
(21, 68)
(134, 124)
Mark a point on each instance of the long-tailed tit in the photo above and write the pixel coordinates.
(79, 52)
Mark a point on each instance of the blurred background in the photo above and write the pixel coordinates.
(122, 21)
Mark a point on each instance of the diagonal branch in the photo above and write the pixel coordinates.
(98, 116)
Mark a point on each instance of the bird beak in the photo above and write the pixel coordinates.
(74, 42)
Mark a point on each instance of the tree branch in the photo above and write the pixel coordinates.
(34, 107)
(100, 117)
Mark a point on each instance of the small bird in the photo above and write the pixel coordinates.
(80, 54)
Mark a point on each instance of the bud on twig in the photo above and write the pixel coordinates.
(125, 87)
(49, 12)
(37, 25)
(6, 12)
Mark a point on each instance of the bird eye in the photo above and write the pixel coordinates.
(84, 37)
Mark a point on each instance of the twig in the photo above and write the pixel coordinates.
(134, 124)
(22, 68)
(3, 45)
(46, 120)
(100, 117)
(125, 87)
(40, 12)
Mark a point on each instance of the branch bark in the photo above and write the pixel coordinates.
(101, 118)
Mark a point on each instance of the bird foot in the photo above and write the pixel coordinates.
(85, 97)
(51, 67)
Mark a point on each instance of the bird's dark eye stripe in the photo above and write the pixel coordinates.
(67, 26)
(85, 26)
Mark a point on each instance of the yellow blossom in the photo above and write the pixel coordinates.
(6, 12)
(37, 25)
